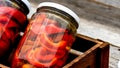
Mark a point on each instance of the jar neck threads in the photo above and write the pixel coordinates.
(15, 4)
(22, 6)
(58, 12)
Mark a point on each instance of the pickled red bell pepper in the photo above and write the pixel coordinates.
(4, 19)
(36, 23)
(51, 45)
(52, 29)
(10, 20)
(61, 61)
(69, 38)
(36, 62)
(3, 47)
(42, 22)
(12, 12)
(9, 28)
(43, 52)
(46, 21)
(53, 40)
(1, 29)
(43, 57)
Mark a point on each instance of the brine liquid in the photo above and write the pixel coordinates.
(10, 22)
(44, 45)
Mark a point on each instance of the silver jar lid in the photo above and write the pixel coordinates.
(60, 7)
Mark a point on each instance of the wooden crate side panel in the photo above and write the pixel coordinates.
(103, 55)
(88, 61)
(88, 58)
(88, 38)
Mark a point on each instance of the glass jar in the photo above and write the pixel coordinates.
(48, 38)
(13, 19)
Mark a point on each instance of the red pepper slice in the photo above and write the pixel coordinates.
(61, 61)
(38, 20)
(7, 23)
(7, 36)
(12, 24)
(60, 53)
(57, 48)
(36, 23)
(3, 47)
(52, 29)
(41, 22)
(1, 29)
(14, 12)
(44, 41)
(8, 27)
(25, 48)
(55, 37)
(4, 19)
(31, 58)
(43, 54)
(69, 38)
(46, 55)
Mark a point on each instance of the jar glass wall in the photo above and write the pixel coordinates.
(12, 18)
(47, 40)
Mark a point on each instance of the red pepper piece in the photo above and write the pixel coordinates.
(10, 34)
(46, 55)
(14, 12)
(55, 37)
(31, 58)
(7, 23)
(36, 24)
(39, 19)
(16, 60)
(1, 29)
(43, 54)
(8, 27)
(60, 53)
(69, 38)
(44, 41)
(58, 50)
(25, 48)
(6, 37)
(61, 61)
(3, 47)
(52, 29)
(12, 24)
(4, 19)
(5, 40)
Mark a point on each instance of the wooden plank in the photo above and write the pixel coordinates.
(83, 61)
(97, 56)
(103, 55)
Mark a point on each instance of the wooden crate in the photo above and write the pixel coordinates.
(88, 53)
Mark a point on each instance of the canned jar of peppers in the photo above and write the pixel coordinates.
(48, 37)
(13, 16)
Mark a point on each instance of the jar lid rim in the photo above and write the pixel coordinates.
(27, 3)
(60, 7)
